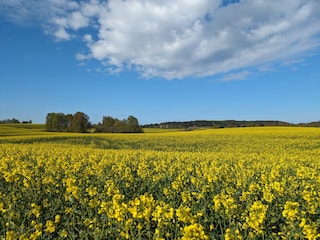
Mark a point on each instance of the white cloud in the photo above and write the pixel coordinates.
(61, 34)
(235, 76)
(77, 20)
(81, 57)
(177, 39)
(87, 38)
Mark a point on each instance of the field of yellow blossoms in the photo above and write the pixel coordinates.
(244, 183)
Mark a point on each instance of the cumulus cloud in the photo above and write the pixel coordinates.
(61, 34)
(183, 38)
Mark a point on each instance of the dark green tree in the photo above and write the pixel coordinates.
(68, 122)
(120, 126)
(108, 124)
(133, 125)
(114, 125)
(58, 122)
(49, 122)
(80, 122)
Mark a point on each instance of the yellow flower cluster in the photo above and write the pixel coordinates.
(246, 183)
(257, 216)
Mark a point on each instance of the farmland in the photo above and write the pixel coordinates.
(242, 183)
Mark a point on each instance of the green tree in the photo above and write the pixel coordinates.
(68, 122)
(57, 122)
(108, 124)
(133, 125)
(49, 122)
(80, 122)
(114, 125)
(119, 126)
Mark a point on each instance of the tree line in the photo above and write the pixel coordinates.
(60, 122)
(216, 124)
(79, 122)
(13, 120)
(114, 125)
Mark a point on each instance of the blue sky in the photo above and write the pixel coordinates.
(161, 60)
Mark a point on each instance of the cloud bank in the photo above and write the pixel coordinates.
(178, 39)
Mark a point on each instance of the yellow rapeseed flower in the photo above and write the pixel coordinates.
(35, 210)
(50, 227)
(257, 216)
(291, 210)
(184, 214)
(194, 232)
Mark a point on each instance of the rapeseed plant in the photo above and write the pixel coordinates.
(249, 183)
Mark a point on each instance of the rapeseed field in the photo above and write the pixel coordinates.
(244, 183)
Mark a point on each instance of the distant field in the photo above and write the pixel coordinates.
(18, 129)
(240, 183)
(160, 130)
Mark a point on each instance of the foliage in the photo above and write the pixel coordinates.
(6, 121)
(60, 122)
(14, 121)
(248, 183)
(114, 125)
(79, 122)
(216, 124)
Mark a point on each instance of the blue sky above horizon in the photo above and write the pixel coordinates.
(161, 60)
